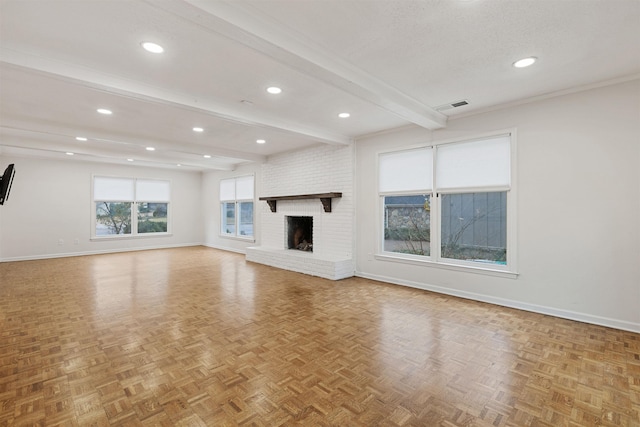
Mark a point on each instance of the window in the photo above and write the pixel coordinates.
(407, 226)
(115, 200)
(405, 182)
(236, 207)
(449, 203)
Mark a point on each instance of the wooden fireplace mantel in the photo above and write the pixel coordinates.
(325, 198)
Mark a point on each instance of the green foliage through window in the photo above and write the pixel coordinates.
(407, 224)
(113, 218)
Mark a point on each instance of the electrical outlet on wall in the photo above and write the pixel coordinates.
(60, 242)
(76, 242)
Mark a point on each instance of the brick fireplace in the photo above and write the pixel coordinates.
(329, 218)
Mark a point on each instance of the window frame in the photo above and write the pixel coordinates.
(134, 210)
(237, 210)
(435, 258)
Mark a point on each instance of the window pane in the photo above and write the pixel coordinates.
(152, 190)
(228, 218)
(474, 227)
(113, 218)
(482, 163)
(407, 224)
(409, 170)
(105, 188)
(246, 219)
(152, 217)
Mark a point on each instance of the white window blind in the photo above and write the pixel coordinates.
(152, 190)
(409, 170)
(244, 188)
(113, 189)
(228, 189)
(483, 163)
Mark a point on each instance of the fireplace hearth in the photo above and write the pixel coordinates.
(300, 233)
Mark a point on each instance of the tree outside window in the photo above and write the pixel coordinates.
(113, 218)
(130, 206)
(407, 224)
(458, 190)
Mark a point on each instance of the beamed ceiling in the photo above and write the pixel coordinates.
(388, 63)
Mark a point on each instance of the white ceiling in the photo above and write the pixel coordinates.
(387, 62)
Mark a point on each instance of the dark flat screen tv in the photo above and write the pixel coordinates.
(5, 183)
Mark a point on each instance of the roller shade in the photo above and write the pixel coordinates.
(228, 189)
(482, 163)
(244, 188)
(113, 189)
(237, 188)
(409, 170)
(152, 190)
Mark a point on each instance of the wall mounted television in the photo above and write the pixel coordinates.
(5, 182)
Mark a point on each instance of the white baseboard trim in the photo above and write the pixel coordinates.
(564, 314)
(100, 252)
(225, 248)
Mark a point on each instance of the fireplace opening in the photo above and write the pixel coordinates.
(300, 233)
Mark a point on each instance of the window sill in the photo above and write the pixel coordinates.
(446, 266)
(129, 237)
(244, 239)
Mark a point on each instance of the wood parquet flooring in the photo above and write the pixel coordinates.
(198, 337)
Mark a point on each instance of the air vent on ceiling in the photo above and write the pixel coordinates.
(450, 105)
(459, 104)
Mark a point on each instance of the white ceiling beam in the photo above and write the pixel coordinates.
(14, 132)
(45, 152)
(238, 21)
(116, 85)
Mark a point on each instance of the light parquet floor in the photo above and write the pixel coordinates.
(198, 337)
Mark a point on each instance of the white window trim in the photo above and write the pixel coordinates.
(236, 236)
(134, 209)
(510, 270)
(413, 260)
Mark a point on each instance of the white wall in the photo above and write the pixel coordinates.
(578, 210)
(51, 200)
(211, 208)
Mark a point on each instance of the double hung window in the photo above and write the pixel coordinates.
(130, 206)
(450, 203)
(236, 207)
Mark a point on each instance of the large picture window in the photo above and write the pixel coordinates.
(130, 206)
(449, 203)
(236, 207)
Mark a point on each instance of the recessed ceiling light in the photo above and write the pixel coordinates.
(207, 156)
(274, 90)
(151, 149)
(104, 111)
(525, 62)
(152, 47)
(178, 164)
(81, 138)
(344, 115)
(69, 153)
(197, 129)
(129, 160)
(261, 141)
